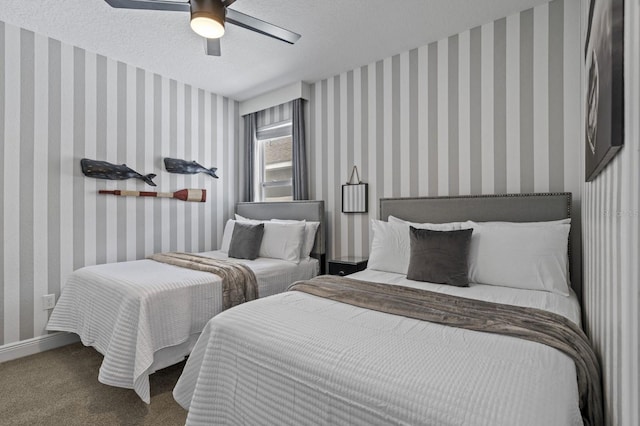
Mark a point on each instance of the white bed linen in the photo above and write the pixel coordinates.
(297, 359)
(130, 311)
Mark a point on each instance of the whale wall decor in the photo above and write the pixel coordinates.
(105, 170)
(174, 165)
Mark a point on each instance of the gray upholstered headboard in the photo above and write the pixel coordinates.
(485, 208)
(298, 210)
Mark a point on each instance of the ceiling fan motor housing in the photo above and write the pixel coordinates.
(208, 9)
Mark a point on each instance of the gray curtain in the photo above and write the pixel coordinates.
(300, 182)
(249, 155)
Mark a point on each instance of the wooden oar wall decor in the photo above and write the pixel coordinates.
(196, 195)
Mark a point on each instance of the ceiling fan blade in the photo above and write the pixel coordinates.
(212, 46)
(262, 27)
(150, 5)
(228, 3)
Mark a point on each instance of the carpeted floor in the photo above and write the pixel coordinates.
(60, 387)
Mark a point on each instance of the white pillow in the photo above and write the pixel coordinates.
(226, 235)
(309, 236)
(521, 255)
(391, 244)
(279, 241)
(245, 219)
(282, 241)
(469, 223)
(393, 219)
(548, 223)
(310, 230)
(450, 226)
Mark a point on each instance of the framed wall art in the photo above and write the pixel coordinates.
(604, 100)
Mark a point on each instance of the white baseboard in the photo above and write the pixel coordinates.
(36, 345)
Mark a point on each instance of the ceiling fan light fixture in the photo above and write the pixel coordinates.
(207, 27)
(207, 18)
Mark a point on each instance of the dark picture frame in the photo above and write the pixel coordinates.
(604, 100)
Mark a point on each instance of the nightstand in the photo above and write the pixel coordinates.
(347, 265)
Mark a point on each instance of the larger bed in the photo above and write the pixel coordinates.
(295, 358)
(144, 315)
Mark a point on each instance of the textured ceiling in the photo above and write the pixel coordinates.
(336, 36)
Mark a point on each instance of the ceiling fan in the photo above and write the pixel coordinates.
(208, 18)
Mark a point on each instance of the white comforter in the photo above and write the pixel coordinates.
(299, 359)
(130, 311)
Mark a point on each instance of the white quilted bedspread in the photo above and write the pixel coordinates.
(298, 359)
(130, 310)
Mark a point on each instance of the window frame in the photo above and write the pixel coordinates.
(264, 135)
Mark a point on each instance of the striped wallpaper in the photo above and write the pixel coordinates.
(274, 115)
(60, 103)
(494, 109)
(611, 235)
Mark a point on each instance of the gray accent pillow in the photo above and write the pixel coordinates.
(246, 240)
(440, 256)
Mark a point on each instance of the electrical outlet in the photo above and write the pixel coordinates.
(48, 301)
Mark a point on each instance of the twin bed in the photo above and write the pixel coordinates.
(298, 358)
(144, 315)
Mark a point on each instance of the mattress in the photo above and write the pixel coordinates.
(144, 315)
(295, 358)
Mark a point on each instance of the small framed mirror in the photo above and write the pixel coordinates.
(355, 198)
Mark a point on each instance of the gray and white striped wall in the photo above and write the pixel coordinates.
(60, 103)
(495, 109)
(275, 114)
(611, 235)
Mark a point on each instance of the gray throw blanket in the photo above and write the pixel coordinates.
(239, 283)
(527, 323)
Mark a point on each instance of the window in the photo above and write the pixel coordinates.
(275, 162)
